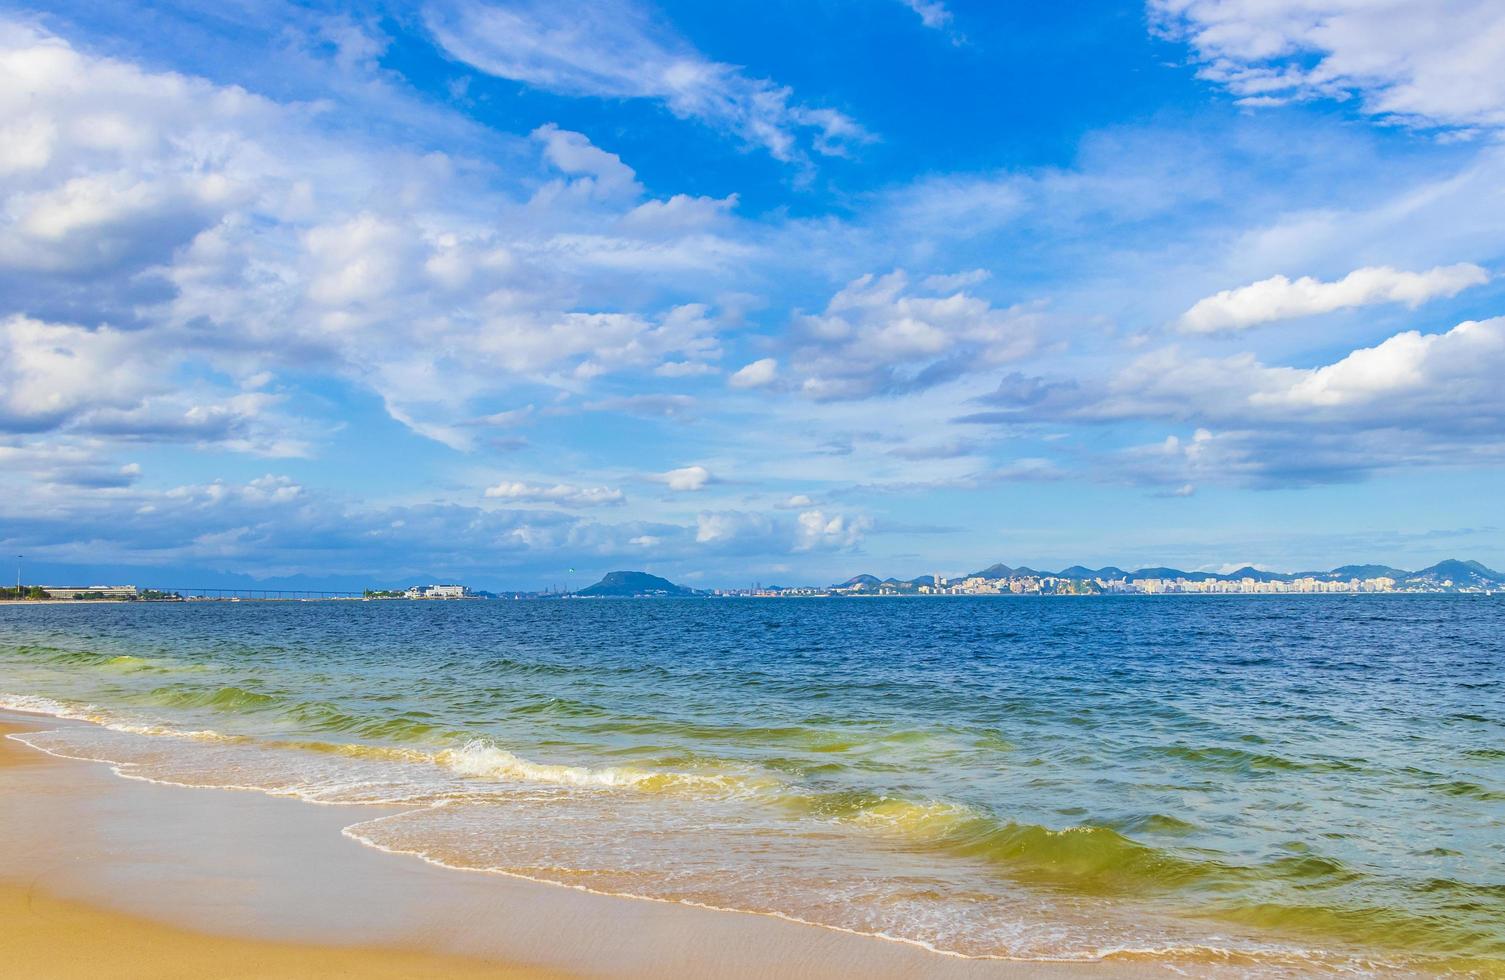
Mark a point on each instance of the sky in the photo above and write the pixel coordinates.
(514, 292)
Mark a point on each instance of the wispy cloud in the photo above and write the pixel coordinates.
(1420, 62)
(935, 15)
(563, 494)
(620, 50)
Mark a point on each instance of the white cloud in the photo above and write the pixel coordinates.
(812, 530)
(758, 374)
(233, 235)
(616, 49)
(601, 174)
(819, 530)
(1412, 400)
(679, 213)
(52, 372)
(1457, 370)
(684, 369)
(727, 526)
(563, 494)
(956, 281)
(877, 337)
(356, 262)
(60, 465)
(1421, 62)
(933, 13)
(109, 383)
(1280, 298)
(646, 406)
(687, 478)
(1410, 380)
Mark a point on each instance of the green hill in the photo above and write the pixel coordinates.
(634, 584)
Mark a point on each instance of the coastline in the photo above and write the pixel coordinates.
(268, 886)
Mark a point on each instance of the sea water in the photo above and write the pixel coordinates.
(1251, 784)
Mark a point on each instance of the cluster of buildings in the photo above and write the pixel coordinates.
(1055, 585)
(1248, 586)
(1028, 584)
(1013, 585)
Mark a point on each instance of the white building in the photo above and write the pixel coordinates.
(438, 592)
(103, 591)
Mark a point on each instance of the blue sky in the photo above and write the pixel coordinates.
(779, 291)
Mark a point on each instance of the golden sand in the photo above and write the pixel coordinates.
(44, 937)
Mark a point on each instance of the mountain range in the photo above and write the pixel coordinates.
(1460, 573)
(1452, 573)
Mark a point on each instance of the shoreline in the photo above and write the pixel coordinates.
(212, 872)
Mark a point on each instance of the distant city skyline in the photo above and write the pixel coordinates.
(491, 291)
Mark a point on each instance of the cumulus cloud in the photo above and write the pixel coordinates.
(193, 226)
(1420, 62)
(1280, 298)
(57, 377)
(1410, 380)
(878, 336)
(60, 465)
(1414, 399)
(599, 173)
(1426, 374)
(274, 525)
(54, 372)
(563, 494)
(758, 374)
(617, 49)
(687, 478)
(811, 530)
(818, 529)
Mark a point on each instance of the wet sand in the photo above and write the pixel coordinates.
(105, 876)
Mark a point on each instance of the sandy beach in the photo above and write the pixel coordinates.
(104, 875)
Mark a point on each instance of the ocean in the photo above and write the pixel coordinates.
(1252, 784)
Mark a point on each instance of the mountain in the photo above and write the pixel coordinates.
(1081, 571)
(635, 584)
(1077, 571)
(993, 571)
(1249, 571)
(1157, 571)
(1361, 572)
(1460, 573)
(871, 581)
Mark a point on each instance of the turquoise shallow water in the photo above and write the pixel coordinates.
(1259, 784)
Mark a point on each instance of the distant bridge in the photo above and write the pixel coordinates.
(262, 595)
